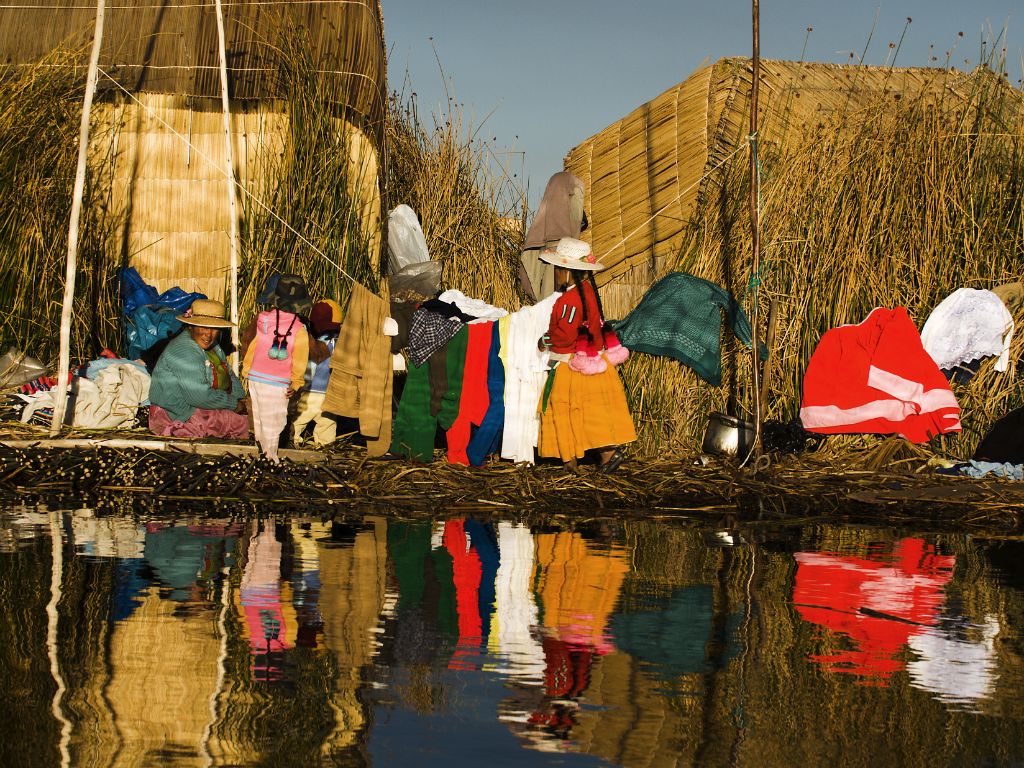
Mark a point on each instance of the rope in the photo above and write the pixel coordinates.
(674, 199)
(227, 176)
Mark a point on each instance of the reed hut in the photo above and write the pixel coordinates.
(159, 132)
(651, 173)
(879, 186)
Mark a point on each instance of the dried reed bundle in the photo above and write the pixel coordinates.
(323, 184)
(40, 108)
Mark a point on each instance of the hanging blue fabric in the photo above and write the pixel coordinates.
(178, 299)
(487, 438)
(135, 292)
(147, 325)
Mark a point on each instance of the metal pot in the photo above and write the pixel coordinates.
(727, 435)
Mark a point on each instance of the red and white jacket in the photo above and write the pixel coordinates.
(876, 377)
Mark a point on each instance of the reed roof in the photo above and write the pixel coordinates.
(646, 174)
(171, 46)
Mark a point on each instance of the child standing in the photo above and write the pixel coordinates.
(274, 369)
(324, 322)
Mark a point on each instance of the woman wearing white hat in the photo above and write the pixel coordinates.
(193, 392)
(584, 406)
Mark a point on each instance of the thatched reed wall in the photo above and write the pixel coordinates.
(173, 197)
(307, 86)
(172, 48)
(655, 158)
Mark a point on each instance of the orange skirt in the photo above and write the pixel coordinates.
(584, 412)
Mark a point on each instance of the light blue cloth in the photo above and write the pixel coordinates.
(92, 370)
(983, 468)
(318, 374)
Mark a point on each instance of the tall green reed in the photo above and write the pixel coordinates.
(40, 110)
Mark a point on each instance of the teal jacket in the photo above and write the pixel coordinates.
(183, 380)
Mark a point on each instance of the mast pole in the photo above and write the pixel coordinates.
(232, 197)
(755, 229)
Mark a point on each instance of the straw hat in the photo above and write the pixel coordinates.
(206, 313)
(572, 254)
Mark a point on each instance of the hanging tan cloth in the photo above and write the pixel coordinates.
(560, 214)
(360, 383)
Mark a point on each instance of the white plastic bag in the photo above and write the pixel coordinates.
(406, 243)
(17, 368)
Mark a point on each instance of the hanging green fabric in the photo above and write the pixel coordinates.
(414, 428)
(680, 316)
(456, 363)
(547, 390)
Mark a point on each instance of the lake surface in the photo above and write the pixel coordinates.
(489, 642)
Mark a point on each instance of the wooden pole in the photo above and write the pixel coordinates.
(71, 268)
(755, 228)
(232, 197)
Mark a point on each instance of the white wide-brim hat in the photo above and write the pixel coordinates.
(572, 254)
(206, 313)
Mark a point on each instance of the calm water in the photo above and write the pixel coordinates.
(292, 641)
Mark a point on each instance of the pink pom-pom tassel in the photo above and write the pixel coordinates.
(617, 355)
(588, 365)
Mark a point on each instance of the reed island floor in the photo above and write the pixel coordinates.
(888, 482)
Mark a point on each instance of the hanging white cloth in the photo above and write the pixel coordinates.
(526, 370)
(478, 308)
(969, 324)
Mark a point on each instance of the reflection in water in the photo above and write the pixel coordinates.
(463, 641)
(264, 602)
(515, 639)
(957, 669)
(879, 603)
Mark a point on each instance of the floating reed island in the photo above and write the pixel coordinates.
(880, 186)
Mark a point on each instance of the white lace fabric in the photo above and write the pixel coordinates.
(969, 324)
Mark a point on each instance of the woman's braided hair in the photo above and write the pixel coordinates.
(579, 278)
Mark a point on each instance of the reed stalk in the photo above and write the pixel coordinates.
(472, 216)
(319, 186)
(40, 109)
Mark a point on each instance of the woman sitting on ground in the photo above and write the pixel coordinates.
(193, 392)
(584, 408)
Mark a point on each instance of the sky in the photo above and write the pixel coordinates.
(537, 77)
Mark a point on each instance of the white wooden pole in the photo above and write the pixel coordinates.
(64, 363)
(232, 201)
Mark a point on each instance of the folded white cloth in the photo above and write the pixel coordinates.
(109, 402)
